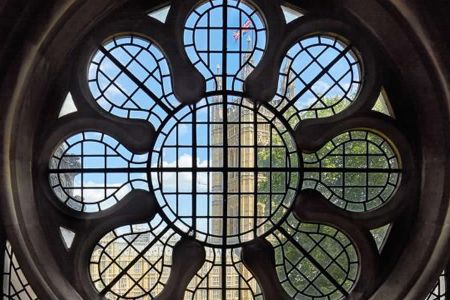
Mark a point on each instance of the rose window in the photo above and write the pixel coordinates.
(241, 158)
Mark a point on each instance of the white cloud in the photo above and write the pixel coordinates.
(97, 192)
(320, 87)
(185, 179)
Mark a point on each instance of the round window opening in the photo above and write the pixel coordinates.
(229, 166)
(306, 182)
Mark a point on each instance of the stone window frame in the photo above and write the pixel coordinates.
(51, 59)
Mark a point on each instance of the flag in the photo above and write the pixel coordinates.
(243, 30)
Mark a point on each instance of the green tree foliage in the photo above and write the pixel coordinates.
(327, 246)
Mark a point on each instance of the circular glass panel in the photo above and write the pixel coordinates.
(358, 171)
(320, 76)
(226, 171)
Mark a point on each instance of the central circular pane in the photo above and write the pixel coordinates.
(225, 170)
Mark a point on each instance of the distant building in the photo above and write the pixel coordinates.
(66, 180)
(240, 132)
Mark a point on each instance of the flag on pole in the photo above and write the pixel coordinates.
(237, 34)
